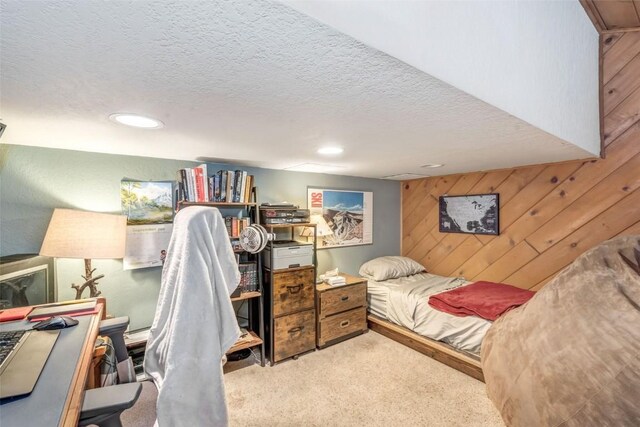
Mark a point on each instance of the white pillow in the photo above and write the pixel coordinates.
(390, 267)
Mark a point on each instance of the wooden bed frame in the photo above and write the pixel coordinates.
(437, 350)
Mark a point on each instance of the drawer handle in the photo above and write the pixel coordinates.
(344, 323)
(296, 329)
(294, 289)
(344, 298)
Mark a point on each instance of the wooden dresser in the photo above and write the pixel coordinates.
(342, 310)
(294, 314)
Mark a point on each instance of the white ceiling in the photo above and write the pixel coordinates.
(252, 82)
(536, 60)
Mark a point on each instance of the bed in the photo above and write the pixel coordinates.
(398, 308)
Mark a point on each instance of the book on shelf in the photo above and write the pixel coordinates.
(228, 195)
(235, 225)
(199, 183)
(225, 186)
(248, 276)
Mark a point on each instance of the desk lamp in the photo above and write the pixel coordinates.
(322, 228)
(85, 235)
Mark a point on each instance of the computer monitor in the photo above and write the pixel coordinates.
(26, 279)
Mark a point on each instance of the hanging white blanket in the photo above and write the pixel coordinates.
(194, 324)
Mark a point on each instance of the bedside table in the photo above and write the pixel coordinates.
(342, 310)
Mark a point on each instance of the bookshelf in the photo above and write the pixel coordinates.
(252, 341)
(253, 298)
(217, 204)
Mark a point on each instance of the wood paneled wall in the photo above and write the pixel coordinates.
(613, 14)
(549, 214)
(620, 83)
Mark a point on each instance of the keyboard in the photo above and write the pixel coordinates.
(8, 341)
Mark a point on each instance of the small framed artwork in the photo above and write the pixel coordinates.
(471, 213)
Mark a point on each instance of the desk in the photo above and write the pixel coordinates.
(57, 397)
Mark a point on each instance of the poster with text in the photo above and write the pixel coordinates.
(344, 218)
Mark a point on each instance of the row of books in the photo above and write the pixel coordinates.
(225, 186)
(235, 225)
(248, 277)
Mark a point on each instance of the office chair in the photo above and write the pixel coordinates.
(104, 406)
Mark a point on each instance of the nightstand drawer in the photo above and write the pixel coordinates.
(293, 291)
(341, 325)
(294, 334)
(342, 299)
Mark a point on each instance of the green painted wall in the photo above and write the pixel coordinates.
(34, 181)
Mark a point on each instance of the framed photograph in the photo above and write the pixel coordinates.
(473, 214)
(343, 218)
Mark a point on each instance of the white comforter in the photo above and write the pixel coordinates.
(407, 304)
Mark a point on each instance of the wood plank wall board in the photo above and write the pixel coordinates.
(609, 40)
(619, 55)
(633, 230)
(626, 81)
(418, 224)
(607, 192)
(517, 181)
(450, 264)
(613, 14)
(618, 14)
(622, 117)
(620, 84)
(593, 14)
(511, 262)
(606, 225)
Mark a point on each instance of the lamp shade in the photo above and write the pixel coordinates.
(88, 235)
(323, 227)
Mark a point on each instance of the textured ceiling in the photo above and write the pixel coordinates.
(537, 60)
(252, 82)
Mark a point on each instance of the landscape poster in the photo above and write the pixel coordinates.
(147, 202)
(148, 206)
(347, 214)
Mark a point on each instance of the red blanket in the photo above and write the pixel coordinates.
(484, 299)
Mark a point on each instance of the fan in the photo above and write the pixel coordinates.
(254, 238)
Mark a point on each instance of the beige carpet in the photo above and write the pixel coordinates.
(368, 380)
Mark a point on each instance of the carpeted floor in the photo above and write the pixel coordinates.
(368, 380)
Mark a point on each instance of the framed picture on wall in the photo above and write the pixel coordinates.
(473, 214)
(148, 206)
(343, 218)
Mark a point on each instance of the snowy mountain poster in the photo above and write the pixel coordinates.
(343, 218)
(148, 206)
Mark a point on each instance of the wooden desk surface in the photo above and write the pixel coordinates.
(58, 394)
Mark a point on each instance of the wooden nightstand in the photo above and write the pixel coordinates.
(342, 310)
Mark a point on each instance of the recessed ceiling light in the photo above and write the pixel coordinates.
(432, 165)
(330, 150)
(314, 167)
(136, 121)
